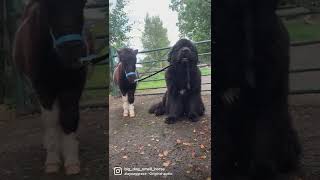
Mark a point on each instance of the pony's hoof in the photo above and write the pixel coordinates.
(72, 169)
(125, 114)
(52, 168)
(132, 114)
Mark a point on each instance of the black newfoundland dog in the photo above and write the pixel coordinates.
(183, 79)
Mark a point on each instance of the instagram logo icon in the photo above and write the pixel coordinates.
(117, 171)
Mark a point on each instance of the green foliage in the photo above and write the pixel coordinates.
(119, 25)
(154, 36)
(194, 18)
(194, 22)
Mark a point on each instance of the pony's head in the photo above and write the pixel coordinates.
(60, 22)
(128, 59)
(65, 20)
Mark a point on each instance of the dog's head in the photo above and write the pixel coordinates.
(183, 52)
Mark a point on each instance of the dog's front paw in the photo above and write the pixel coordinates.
(193, 117)
(170, 120)
(159, 112)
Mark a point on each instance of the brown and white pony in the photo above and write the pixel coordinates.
(47, 48)
(125, 77)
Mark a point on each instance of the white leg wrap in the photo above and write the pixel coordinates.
(70, 151)
(125, 106)
(52, 138)
(131, 110)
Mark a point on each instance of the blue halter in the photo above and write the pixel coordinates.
(65, 38)
(130, 73)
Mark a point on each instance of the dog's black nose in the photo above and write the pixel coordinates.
(185, 49)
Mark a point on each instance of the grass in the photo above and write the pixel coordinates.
(299, 31)
(161, 83)
(98, 76)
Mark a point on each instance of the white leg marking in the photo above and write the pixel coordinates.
(51, 138)
(125, 106)
(70, 151)
(131, 110)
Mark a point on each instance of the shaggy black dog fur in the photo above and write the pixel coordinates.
(253, 135)
(183, 79)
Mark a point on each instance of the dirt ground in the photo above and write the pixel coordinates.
(305, 110)
(183, 148)
(22, 155)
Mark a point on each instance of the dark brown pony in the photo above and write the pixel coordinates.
(47, 50)
(125, 76)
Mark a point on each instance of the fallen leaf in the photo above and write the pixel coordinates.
(179, 141)
(165, 153)
(193, 154)
(187, 144)
(203, 157)
(152, 139)
(157, 140)
(166, 163)
(188, 172)
(160, 155)
(201, 132)
(194, 130)
(125, 157)
(202, 146)
(208, 178)
(122, 149)
(142, 152)
(149, 145)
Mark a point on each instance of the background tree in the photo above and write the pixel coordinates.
(154, 36)
(194, 22)
(119, 25)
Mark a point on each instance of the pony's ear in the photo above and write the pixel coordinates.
(118, 53)
(135, 51)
